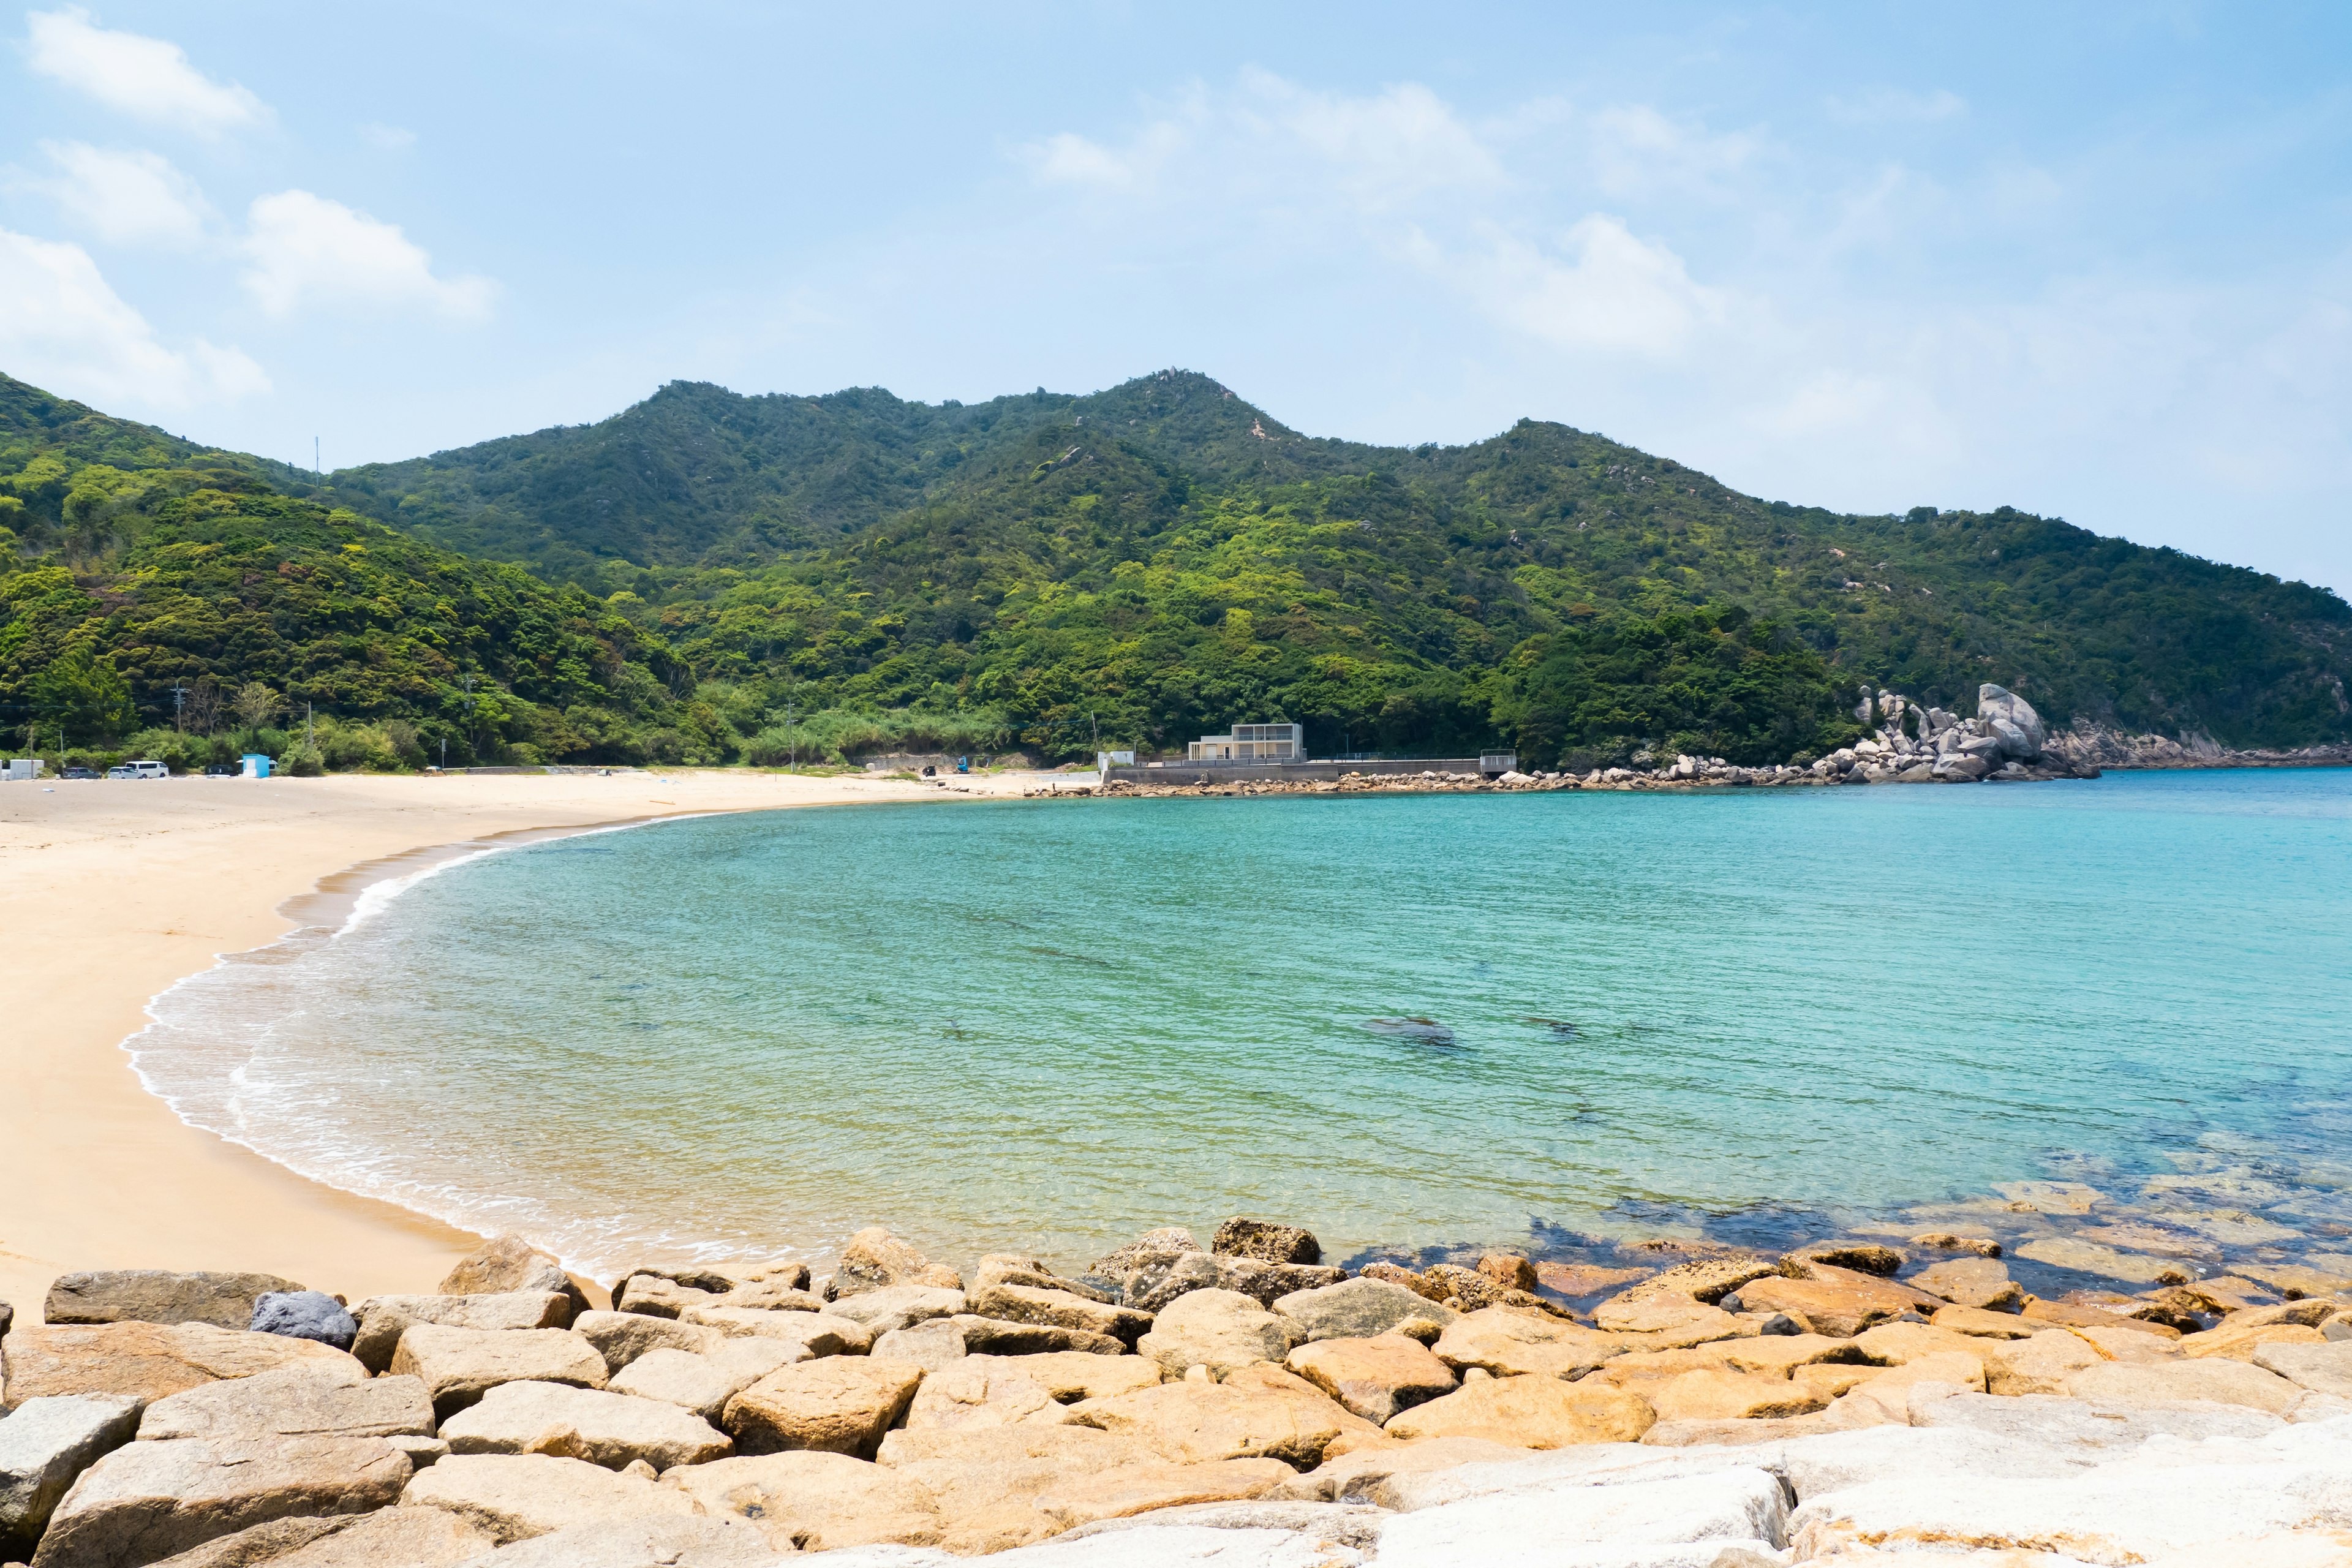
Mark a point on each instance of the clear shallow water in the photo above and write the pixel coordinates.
(1048, 1025)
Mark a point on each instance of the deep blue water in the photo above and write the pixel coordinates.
(1046, 1025)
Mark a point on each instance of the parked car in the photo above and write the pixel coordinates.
(145, 769)
(78, 774)
(222, 769)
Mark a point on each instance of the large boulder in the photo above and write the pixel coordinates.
(1358, 1310)
(145, 1361)
(1375, 1377)
(1158, 1280)
(1839, 1302)
(1981, 1282)
(932, 1345)
(2216, 1380)
(809, 1333)
(305, 1315)
(1999, 707)
(873, 1259)
(1727, 1396)
(2105, 1262)
(996, 1336)
(1220, 1330)
(621, 1337)
(1058, 1309)
(657, 1295)
(893, 1306)
(383, 1319)
(159, 1296)
(598, 1425)
(1533, 1412)
(812, 1500)
(1267, 1241)
(507, 1263)
(460, 1366)
(1508, 1342)
(405, 1537)
(147, 1501)
(2323, 1368)
(704, 1382)
(840, 1404)
(514, 1497)
(1730, 1515)
(294, 1402)
(1259, 1413)
(45, 1446)
(993, 1390)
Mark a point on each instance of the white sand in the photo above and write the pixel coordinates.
(112, 890)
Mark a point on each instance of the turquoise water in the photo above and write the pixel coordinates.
(1046, 1025)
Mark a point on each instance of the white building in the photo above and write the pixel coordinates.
(1251, 744)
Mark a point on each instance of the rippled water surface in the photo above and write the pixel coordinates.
(1413, 1021)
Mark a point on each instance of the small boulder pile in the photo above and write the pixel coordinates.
(1246, 1398)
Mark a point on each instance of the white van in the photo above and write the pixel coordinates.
(142, 770)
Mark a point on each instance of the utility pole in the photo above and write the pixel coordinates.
(179, 703)
(470, 739)
(791, 752)
(310, 740)
(316, 470)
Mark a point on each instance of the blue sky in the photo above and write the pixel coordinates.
(2090, 260)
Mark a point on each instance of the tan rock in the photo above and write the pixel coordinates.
(839, 1404)
(1885, 1399)
(1267, 1241)
(2131, 1235)
(2090, 1258)
(1361, 1474)
(457, 1365)
(514, 1497)
(704, 1382)
(1730, 1397)
(1832, 1379)
(507, 1263)
(1060, 1310)
(1257, 1412)
(2221, 1295)
(595, 1425)
(1669, 1321)
(1509, 1271)
(2051, 1197)
(1771, 1355)
(886, 1310)
(2324, 1368)
(2295, 1281)
(1839, 1302)
(814, 1501)
(813, 1333)
(777, 1296)
(294, 1402)
(1375, 1377)
(1898, 1345)
(1705, 1280)
(1412, 1279)
(1530, 1412)
(994, 1336)
(1980, 1282)
(2076, 1315)
(986, 1481)
(383, 1319)
(389, 1538)
(2219, 1380)
(147, 1501)
(656, 1296)
(1983, 1324)
(1945, 1241)
(159, 1296)
(1585, 1278)
(1509, 1342)
(1358, 1310)
(621, 1337)
(1217, 1329)
(2240, 1341)
(1124, 1491)
(146, 1361)
(1858, 1257)
(995, 1390)
(875, 1259)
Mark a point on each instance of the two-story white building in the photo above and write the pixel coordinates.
(1251, 744)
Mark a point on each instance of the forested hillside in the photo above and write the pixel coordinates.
(1145, 564)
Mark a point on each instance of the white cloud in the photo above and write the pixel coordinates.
(1638, 151)
(148, 79)
(125, 198)
(62, 328)
(1603, 288)
(305, 249)
(387, 138)
(1891, 105)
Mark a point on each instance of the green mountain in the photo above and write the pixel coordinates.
(150, 589)
(1151, 563)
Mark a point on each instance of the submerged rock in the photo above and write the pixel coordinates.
(1269, 1242)
(875, 1259)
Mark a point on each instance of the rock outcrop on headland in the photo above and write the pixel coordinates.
(1850, 1400)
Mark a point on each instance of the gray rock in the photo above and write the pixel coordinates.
(656, 1297)
(1158, 1280)
(1998, 707)
(621, 1337)
(7, 1317)
(507, 1263)
(145, 1501)
(598, 1425)
(643, 1543)
(383, 1319)
(159, 1296)
(1357, 1309)
(45, 1446)
(295, 1402)
(1060, 1310)
(304, 1315)
(873, 1259)
(1266, 1241)
(898, 1306)
(1003, 1271)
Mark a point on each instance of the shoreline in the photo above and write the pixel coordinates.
(113, 896)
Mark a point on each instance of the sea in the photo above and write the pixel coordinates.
(1421, 1025)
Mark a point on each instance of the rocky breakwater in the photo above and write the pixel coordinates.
(1849, 1401)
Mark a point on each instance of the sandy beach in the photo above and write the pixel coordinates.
(113, 891)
